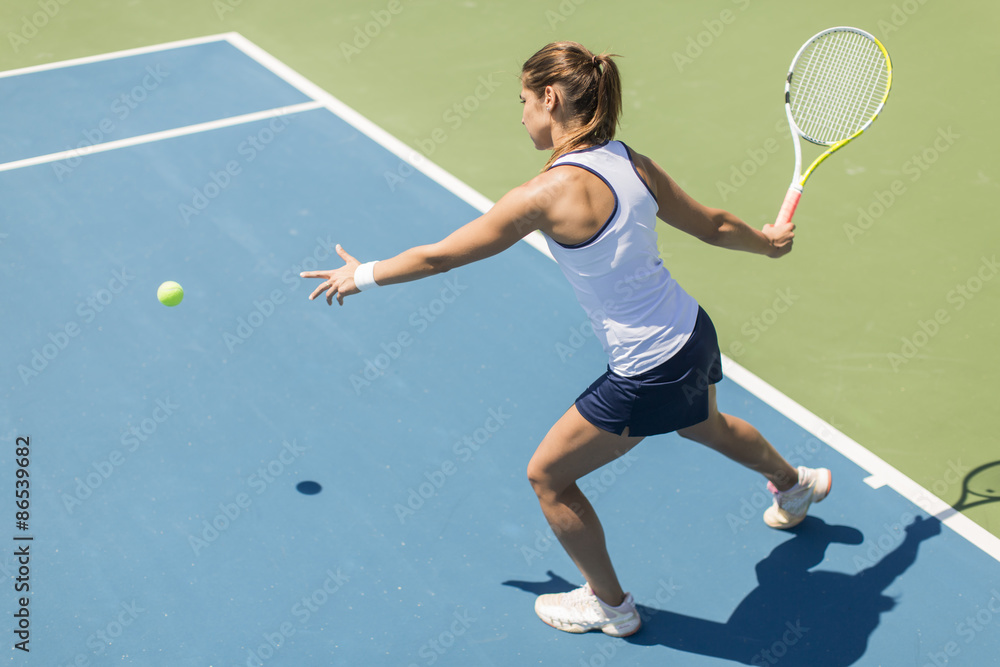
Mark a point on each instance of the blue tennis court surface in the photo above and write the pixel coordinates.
(167, 443)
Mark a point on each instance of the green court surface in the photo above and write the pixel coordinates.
(881, 322)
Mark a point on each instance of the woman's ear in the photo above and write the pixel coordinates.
(550, 99)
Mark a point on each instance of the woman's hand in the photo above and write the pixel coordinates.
(780, 237)
(336, 282)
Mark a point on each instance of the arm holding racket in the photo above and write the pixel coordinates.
(714, 226)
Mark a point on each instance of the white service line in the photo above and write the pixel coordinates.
(159, 136)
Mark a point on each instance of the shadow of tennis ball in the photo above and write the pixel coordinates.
(308, 488)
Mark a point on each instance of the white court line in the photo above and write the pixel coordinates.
(881, 473)
(409, 155)
(164, 134)
(114, 55)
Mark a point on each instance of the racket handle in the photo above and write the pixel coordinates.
(788, 206)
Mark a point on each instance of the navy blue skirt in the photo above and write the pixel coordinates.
(672, 396)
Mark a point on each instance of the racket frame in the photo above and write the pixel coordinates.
(799, 179)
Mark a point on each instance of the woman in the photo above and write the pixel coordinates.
(596, 201)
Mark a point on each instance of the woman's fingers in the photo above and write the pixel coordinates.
(332, 283)
(322, 288)
(326, 273)
(344, 255)
(334, 292)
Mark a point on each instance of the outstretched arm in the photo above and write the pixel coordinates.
(711, 225)
(511, 219)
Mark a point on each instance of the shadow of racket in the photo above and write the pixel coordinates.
(981, 486)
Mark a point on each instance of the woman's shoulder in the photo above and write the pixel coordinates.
(553, 182)
(644, 167)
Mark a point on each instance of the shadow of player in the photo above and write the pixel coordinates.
(795, 616)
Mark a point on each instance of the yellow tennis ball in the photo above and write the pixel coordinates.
(170, 293)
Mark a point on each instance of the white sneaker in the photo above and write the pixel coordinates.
(582, 611)
(790, 507)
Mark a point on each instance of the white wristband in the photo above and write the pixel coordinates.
(364, 276)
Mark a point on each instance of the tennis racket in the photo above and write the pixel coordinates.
(836, 87)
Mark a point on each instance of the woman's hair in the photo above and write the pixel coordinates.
(592, 92)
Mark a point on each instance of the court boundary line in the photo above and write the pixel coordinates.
(186, 130)
(407, 154)
(881, 473)
(115, 55)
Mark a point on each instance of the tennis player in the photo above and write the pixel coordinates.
(596, 201)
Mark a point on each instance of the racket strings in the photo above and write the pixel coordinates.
(836, 98)
(843, 74)
(830, 87)
(837, 86)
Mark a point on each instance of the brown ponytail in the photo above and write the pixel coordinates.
(592, 88)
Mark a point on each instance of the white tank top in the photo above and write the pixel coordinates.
(639, 313)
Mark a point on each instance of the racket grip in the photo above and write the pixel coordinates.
(788, 206)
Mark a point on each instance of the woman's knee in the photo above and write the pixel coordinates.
(542, 481)
(539, 481)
